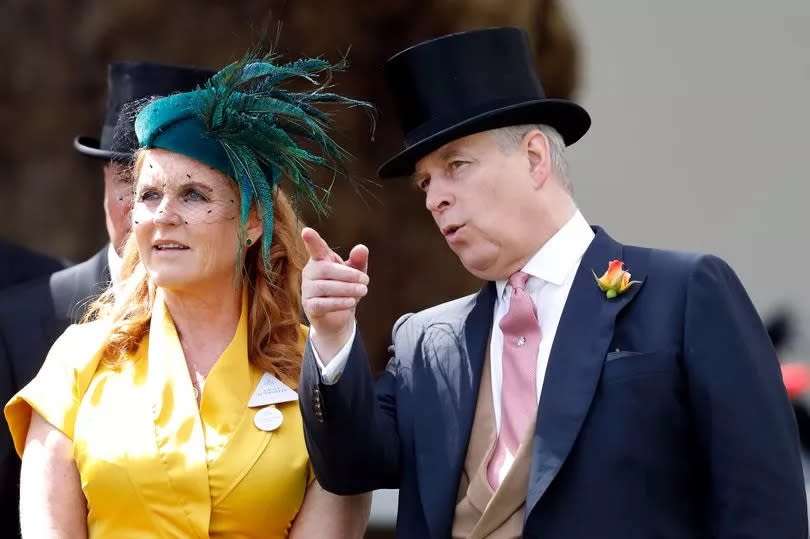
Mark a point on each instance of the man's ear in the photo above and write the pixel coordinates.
(538, 151)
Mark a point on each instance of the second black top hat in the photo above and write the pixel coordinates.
(127, 82)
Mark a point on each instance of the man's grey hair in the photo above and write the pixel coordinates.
(508, 138)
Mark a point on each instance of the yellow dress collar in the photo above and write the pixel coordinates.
(227, 389)
(190, 439)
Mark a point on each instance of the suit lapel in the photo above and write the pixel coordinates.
(74, 288)
(63, 297)
(575, 364)
(447, 380)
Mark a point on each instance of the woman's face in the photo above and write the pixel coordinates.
(186, 222)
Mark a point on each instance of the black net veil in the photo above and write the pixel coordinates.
(173, 189)
(124, 139)
(186, 191)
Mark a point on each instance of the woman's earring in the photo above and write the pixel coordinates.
(249, 241)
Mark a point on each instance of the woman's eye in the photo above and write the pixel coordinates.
(194, 196)
(423, 184)
(148, 195)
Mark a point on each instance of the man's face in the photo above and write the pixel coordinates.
(117, 202)
(482, 199)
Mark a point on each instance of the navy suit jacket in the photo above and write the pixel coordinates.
(18, 264)
(32, 316)
(662, 413)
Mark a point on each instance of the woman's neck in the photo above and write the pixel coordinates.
(206, 322)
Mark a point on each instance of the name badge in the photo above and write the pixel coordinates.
(271, 390)
(268, 419)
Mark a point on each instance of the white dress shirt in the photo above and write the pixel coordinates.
(331, 373)
(552, 270)
(114, 263)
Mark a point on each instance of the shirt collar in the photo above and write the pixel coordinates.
(559, 254)
(114, 263)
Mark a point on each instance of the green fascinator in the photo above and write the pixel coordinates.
(244, 123)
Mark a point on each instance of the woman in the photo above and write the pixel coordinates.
(173, 414)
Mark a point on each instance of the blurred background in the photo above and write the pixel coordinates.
(698, 140)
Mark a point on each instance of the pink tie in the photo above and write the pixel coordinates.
(521, 340)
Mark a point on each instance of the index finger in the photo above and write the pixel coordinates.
(316, 246)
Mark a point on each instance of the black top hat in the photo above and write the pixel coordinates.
(127, 82)
(465, 83)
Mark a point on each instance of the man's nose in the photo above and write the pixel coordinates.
(438, 197)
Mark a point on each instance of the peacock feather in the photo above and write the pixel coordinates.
(265, 130)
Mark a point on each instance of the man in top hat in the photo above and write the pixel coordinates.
(34, 314)
(566, 399)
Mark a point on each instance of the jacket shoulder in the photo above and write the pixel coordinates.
(672, 263)
(455, 310)
(61, 295)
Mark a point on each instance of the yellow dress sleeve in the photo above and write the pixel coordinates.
(310, 474)
(303, 332)
(57, 389)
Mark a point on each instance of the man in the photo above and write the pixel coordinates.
(34, 314)
(18, 264)
(551, 403)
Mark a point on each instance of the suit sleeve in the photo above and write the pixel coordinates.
(350, 427)
(332, 372)
(744, 421)
(9, 462)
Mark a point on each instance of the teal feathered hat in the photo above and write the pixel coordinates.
(244, 123)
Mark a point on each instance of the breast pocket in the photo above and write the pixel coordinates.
(622, 365)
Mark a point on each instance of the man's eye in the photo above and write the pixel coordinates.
(423, 184)
(125, 178)
(457, 164)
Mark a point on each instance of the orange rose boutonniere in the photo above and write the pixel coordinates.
(615, 281)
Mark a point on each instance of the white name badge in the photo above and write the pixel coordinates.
(271, 390)
(268, 419)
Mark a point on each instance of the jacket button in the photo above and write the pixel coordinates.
(317, 405)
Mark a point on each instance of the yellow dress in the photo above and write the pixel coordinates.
(153, 464)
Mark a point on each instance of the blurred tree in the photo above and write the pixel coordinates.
(53, 83)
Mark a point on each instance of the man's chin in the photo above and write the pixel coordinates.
(480, 269)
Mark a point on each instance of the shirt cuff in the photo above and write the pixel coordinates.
(330, 374)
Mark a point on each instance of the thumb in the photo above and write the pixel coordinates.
(358, 258)
(315, 245)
